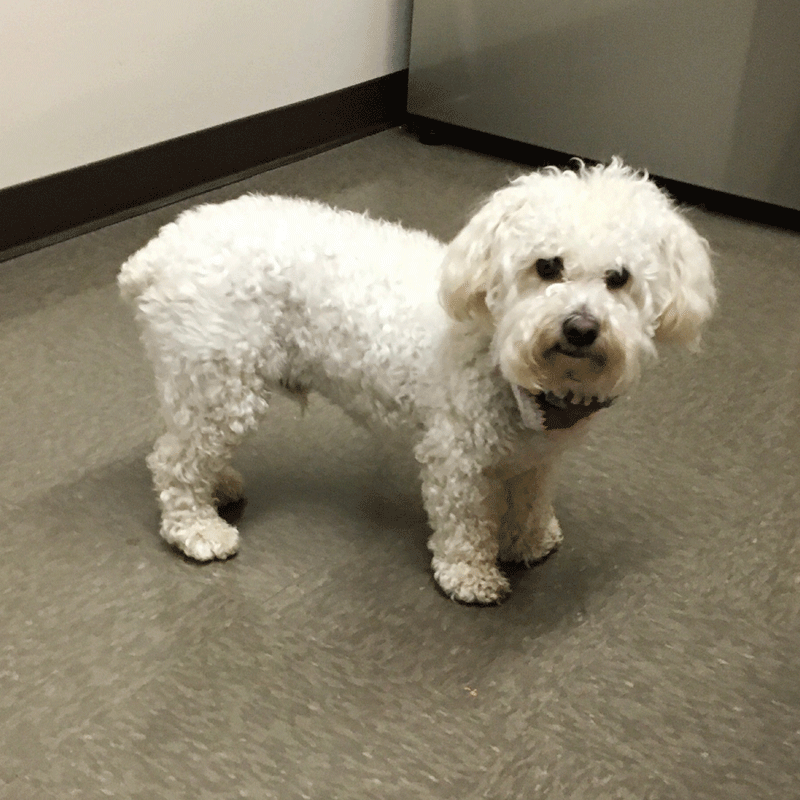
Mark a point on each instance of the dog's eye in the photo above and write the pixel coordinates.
(617, 278)
(548, 269)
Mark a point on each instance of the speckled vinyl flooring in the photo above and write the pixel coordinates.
(656, 656)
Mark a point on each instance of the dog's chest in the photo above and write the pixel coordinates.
(532, 450)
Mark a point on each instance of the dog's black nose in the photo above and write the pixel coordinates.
(580, 329)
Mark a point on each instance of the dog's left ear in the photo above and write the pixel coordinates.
(690, 295)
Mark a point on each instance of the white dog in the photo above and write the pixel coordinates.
(491, 354)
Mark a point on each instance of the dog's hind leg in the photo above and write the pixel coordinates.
(207, 409)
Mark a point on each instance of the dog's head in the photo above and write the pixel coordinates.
(576, 274)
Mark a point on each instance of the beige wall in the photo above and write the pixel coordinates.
(89, 79)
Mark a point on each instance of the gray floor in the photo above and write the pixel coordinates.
(654, 656)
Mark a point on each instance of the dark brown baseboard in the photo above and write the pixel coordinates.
(40, 211)
(435, 132)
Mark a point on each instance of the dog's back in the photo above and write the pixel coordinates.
(275, 233)
(319, 298)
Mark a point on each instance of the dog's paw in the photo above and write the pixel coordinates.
(476, 585)
(229, 487)
(205, 539)
(530, 548)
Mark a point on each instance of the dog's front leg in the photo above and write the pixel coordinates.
(465, 510)
(529, 530)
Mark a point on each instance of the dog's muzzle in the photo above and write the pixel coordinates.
(546, 411)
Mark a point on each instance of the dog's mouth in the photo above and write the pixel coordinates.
(551, 411)
(596, 358)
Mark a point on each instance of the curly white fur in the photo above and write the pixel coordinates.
(548, 300)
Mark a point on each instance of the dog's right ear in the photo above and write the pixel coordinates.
(469, 270)
(466, 271)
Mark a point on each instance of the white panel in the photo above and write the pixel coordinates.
(89, 79)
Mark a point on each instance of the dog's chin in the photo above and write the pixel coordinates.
(549, 410)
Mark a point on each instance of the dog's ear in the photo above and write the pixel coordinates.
(470, 269)
(689, 293)
(467, 270)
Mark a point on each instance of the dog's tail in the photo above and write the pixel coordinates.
(138, 273)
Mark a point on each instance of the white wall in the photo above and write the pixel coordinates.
(89, 79)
